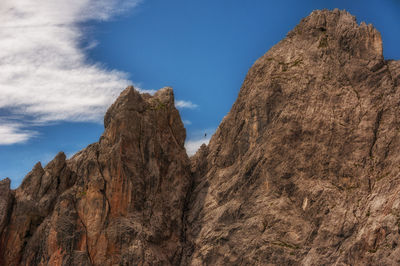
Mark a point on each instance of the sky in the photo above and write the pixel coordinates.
(62, 63)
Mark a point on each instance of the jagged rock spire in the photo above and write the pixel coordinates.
(304, 170)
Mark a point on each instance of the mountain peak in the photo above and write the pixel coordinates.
(129, 100)
(304, 170)
(337, 31)
(131, 107)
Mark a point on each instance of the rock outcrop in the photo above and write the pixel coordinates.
(119, 201)
(305, 167)
(304, 170)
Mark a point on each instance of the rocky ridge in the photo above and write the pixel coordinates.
(304, 170)
(120, 200)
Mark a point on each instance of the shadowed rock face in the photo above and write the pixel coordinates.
(6, 198)
(119, 201)
(304, 170)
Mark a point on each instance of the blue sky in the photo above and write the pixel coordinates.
(63, 62)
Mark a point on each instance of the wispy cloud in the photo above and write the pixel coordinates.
(185, 104)
(187, 122)
(44, 72)
(192, 146)
(14, 133)
(197, 138)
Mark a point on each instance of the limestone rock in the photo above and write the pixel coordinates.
(304, 170)
(6, 198)
(119, 201)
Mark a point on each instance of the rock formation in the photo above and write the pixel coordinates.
(304, 170)
(305, 167)
(119, 201)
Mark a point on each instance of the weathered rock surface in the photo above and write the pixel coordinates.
(305, 167)
(119, 201)
(6, 198)
(304, 170)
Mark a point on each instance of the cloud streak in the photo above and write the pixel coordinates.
(196, 139)
(14, 133)
(187, 122)
(185, 104)
(44, 72)
(192, 146)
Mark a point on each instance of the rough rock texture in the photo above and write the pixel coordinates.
(119, 201)
(6, 199)
(304, 170)
(305, 167)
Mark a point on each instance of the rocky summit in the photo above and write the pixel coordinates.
(304, 170)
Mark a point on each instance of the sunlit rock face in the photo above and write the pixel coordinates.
(120, 200)
(304, 170)
(305, 167)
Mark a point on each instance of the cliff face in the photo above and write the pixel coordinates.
(120, 200)
(305, 167)
(304, 170)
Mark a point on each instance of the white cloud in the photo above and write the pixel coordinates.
(187, 122)
(44, 72)
(14, 133)
(197, 138)
(185, 104)
(192, 146)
